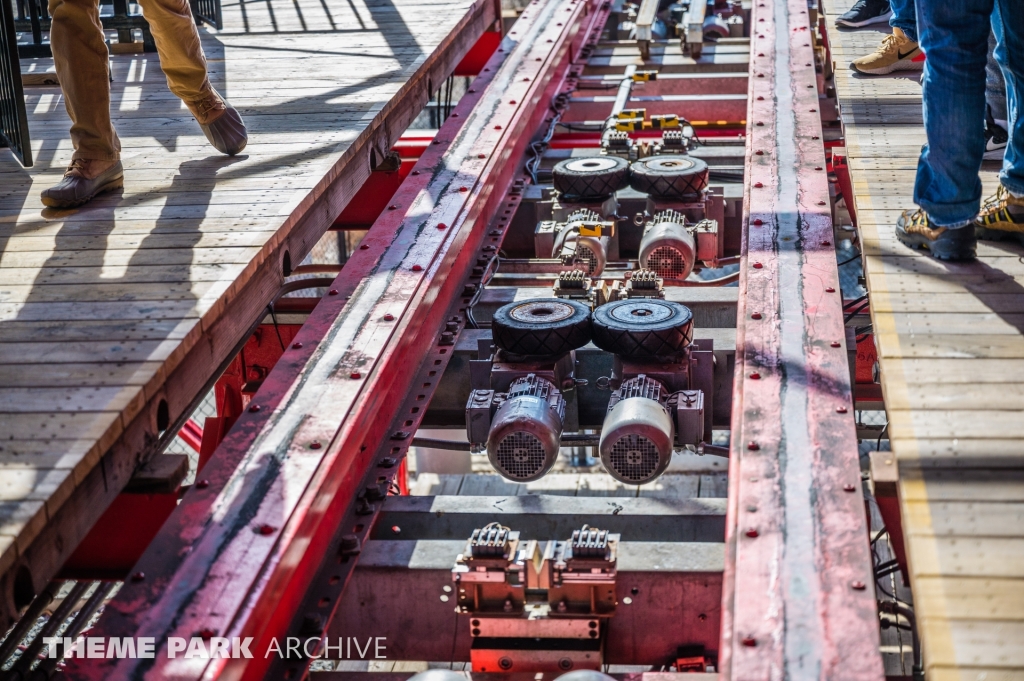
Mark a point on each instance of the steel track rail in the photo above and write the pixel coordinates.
(798, 600)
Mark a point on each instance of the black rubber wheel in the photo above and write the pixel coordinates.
(643, 328)
(591, 178)
(677, 177)
(541, 327)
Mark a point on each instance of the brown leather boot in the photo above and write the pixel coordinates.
(914, 230)
(220, 123)
(84, 179)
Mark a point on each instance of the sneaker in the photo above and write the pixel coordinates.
(896, 53)
(913, 230)
(996, 138)
(83, 180)
(220, 122)
(864, 13)
(1001, 218)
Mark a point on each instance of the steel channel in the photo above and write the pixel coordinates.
(794, 602)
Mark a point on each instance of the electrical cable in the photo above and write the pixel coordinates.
(486, 279)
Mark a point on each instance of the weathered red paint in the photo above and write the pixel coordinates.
(478, 56)
(789, 610)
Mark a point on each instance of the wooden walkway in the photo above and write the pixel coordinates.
(950, 339)
(114, 316)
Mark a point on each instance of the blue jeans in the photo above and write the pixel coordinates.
(954, 35)
(904, 17)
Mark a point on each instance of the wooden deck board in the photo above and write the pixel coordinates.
(951, 345)
(103, 305)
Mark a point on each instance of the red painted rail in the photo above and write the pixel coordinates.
(798, 600)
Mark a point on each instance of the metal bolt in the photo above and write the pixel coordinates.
(749, 641)
(363, 247)
(392, 207)
(497, 127)
(858, 585)
(836, 344)
(826, 242)
(759, 123)
(840, 410)
(821, 203)
(389, 317)
(266, 530)
(463, 189)
(848, 487)
(441, 225)
(755, 376)
(829, 289)
(758, 221)
(296, 346)
(138, 576)
(757, 265)
(355, 374)
(206, 633)
(333, 292)
(417, 268)
(758, 185)
(752, 532)
(202, 484)
(759, 152)
(753, 446)
(315, 444)
(755, 315)
(817, 167)
(254, 408)
(760, 98)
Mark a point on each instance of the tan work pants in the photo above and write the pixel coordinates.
(80, 55)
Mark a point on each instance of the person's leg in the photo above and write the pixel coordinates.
(904, 17)
(954, 35)
(1003, 214)
(80, 58)
(184, 64)
(1009, 53)
(995, 101)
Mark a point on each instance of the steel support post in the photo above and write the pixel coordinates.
(799, 599)
(289, 488)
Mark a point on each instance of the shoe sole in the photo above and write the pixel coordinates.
(987, 234)
(902, 65)
(108, 187)
(873, 20)
(943, 252)
(995, 154)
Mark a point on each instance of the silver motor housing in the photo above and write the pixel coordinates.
(668, 248)
(638, 434)
(526, 430)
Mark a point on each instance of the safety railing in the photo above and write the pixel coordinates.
(13, 118)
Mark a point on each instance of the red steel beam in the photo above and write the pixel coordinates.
(238, 554)
(799, 599)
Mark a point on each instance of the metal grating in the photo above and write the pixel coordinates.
(585, 257)
(13, 118)
(635, 458)
(208, 11)
(520, 455)
(666, 262)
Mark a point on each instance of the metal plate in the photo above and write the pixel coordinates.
(591, 165)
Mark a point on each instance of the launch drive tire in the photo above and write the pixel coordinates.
(676, 177)
(648, 328)
(541, 327)
(591, 178)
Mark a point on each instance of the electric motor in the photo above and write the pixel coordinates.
(524, 437)
(667, 247)
(638, 433)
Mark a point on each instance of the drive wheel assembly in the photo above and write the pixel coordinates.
(677, 177)
(588, 179)
(542, 327)
(643, 328)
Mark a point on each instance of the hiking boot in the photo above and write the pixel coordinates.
(1001, 218)
(220, 122)
(912, 229)
(84, 179)
(864, 13)
(896, 53)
